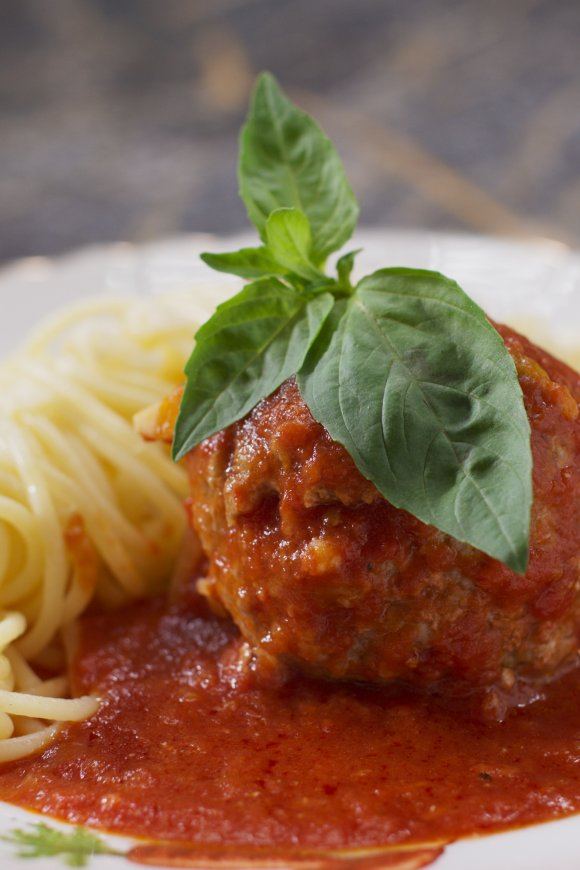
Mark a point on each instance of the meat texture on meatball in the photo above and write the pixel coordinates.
(321, 572)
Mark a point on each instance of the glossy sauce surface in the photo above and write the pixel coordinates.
(187, 747)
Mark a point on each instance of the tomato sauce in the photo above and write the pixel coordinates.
(187, 747)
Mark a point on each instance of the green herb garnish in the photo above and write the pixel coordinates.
(41, 841)
(403, 369)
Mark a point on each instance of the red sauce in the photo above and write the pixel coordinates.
(186, 748)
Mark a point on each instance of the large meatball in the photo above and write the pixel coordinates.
(319, 570)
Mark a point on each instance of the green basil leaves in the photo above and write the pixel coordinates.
(289, 240)
(253, 343)
(417, 385)
(247, 263)
(402, 369)
(286, 161)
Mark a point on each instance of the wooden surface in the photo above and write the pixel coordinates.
(119, 118)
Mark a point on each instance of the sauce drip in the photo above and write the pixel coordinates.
(183, 748)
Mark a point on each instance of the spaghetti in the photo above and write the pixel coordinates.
(87, 509)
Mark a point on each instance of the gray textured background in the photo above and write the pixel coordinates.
(119, 117)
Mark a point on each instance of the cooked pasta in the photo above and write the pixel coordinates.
(87, 508)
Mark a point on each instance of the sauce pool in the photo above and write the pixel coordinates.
(183, 749)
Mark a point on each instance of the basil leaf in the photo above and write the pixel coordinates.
(251, 344)
(344, 267)
(289, 241)
(410, 376)
(247, 263)
(287, 161)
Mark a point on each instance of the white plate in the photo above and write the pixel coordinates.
(533, 286)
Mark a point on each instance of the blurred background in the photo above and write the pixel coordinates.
(119, 118)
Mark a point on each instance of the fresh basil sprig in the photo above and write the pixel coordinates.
(252, 344)
(247, 263)
(417, 385)
(403, 369)
(286, 161)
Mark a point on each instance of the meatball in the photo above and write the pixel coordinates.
(319, 571)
